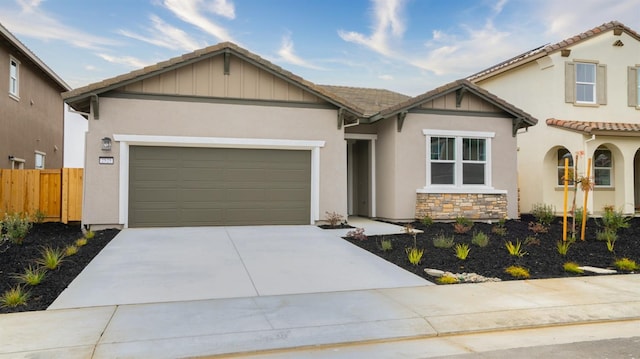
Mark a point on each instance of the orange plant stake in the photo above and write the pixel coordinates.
(586, 194)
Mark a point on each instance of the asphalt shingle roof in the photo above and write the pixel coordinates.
(370, 100)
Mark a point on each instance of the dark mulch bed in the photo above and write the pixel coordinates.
(542, 260)
(15, 258)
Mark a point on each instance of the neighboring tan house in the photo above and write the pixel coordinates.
(31, 110)
(221, 136)
(587, 89)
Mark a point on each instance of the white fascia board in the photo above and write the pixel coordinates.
(227, 142)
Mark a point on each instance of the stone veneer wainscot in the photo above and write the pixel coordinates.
(468, 205)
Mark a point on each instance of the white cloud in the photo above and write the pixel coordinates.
(287, 54)
(386, 77)
(128, 61)
(31, 21)
(223, 8)
(388, 25)
(165, 35)
(192, 12)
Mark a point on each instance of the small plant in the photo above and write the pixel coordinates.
(442, 241)
(501, 231)
(447, 279)
(51, 258)
(577, 215)
(427, 221)
(357, 234)
(39, 216)
(462, 251)
(80, 242)
(611, 245)
(386, 244)
(70, 250)
(480, 239)
(517, 272)
(538, 227)
(626, 264)
(563, 247)
(334, 219)
(462, 225)
(606, 235)
(572, 267)
(531, 241)
(16, 227)
(414, 255)
(32, 276)
(90, 234)
(543, 213)
(14, 297)
(613, 220)
(515, 249)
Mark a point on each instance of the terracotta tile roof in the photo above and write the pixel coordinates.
(454, 86)
(545, 50)
(370, 100)
(4, 32)
(590, 128)
(83, 93)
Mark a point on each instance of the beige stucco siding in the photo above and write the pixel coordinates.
(402, 159)
(198, 119)
(538, 88)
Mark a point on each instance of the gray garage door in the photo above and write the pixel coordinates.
(178, 186)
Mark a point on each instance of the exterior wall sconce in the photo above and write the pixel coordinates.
(106, 144)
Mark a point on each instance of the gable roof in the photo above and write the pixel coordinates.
(465, 85)
(545, 50)
(371, 101)
(80, 96)
(593, 128)
(4, 32)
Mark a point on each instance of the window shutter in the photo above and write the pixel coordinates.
(632, 86)
(569, 82)
(601, 84)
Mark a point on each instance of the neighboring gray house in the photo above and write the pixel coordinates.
(31, 111)
(221, 136)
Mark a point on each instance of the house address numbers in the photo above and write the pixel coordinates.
(105, 160)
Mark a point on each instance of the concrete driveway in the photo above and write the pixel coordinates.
(196, 263)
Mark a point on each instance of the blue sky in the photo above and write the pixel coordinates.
(409, 46)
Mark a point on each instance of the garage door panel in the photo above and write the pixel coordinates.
(172, 186)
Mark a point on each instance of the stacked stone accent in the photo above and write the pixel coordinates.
(469, 205)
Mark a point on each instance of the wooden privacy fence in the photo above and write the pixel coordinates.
(55, 193)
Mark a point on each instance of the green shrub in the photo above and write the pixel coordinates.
(578, 214)
(16, 227)
(626, 264)
(462, 251)
(462, 225)
(386, 245)
(427, 221)
(544, 214)
(414, 255)
(480, 239)
(39, 216)
(70, 250)
(32, 276)
(51, 258)
(515, 249)
(14, 297)
(81, 242)
(613, 220)
(447, 279)
(517, 272)
(606, 235)
(572, 267)
(563, 247)
(442, 241)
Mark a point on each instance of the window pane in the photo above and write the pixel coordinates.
(602, 177)
(473, 149)
(585, 93)
(443, 148)
(441, 173)
(602, 158)
(473, 173)
(586, 72)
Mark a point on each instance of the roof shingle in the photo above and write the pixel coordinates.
(591, 127)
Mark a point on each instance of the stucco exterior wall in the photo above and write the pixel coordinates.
(198, 119)
(406, 164)
(538, 88)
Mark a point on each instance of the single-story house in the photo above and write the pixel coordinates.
(222, 136)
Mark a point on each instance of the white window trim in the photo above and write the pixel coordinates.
(15, 95)
(216, 142)
(19, 161)
(611, 179)
(458, 187)
(44, 158)
(594, 84)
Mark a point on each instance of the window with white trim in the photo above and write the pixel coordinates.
(602, 167)
(562, 152)
(458, 159)
(40, 157)
(14, 77)
(585, 82)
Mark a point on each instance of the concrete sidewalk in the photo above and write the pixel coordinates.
(313, 322)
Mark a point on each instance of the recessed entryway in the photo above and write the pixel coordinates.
(361, 182)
